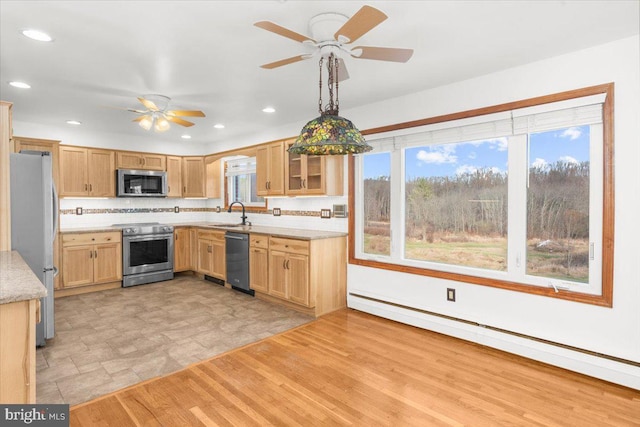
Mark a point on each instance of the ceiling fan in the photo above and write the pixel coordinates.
(158, 115)
(326, 40)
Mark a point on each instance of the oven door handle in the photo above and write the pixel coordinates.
(147, 237)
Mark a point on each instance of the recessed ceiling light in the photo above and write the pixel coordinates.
(20, 85)
(269, 110)
(186, 137)
(73, 122)
(37, 35)
(218, 126)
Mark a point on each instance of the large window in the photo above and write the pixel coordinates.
(517, 197)
(241, 181)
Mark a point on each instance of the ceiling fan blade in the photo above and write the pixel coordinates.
(382, 53)
(133, 110)
(184, 113)
(285, 61)
(359, 24)
(178, 121)
(284, 32)
(149, 104)
(138, 119)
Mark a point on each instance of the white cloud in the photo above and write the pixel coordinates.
(464, 169)
(571, 133)
(568, 159)
(438, 156)
(540, 163)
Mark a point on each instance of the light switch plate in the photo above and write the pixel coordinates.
(339, 211)
(325, 213)
(78, 211)
(276, 212)
(176, 209)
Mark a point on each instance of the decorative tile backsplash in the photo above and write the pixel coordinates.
(294, 212)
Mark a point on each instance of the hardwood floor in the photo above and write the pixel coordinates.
(351, 368)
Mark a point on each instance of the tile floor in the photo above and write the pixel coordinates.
(112, 339)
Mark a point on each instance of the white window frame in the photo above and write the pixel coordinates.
(517, 124)
(240, 165)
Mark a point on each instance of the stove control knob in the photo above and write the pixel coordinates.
(127, 230)
(166, 228)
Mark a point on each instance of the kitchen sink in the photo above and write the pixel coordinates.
(237, 226)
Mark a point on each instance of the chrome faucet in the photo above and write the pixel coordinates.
(244, 217)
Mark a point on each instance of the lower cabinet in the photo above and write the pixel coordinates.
(309, 275)
(211, 253)
(91, 258)
(182, 249)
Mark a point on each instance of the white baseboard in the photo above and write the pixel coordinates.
(613, 371)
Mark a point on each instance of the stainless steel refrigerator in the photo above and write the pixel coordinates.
(34, 222)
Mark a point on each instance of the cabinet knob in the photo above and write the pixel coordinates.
(93, 238)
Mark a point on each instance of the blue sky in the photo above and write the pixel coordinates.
(568, 145)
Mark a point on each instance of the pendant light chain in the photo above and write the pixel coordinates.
(320, 87)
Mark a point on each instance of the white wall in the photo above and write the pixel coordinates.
(612, 331)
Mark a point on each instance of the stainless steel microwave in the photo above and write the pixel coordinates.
(138, 183)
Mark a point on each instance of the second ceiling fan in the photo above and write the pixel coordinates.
(159, 117)
(326, 40)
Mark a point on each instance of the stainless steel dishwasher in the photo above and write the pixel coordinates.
(237, 253)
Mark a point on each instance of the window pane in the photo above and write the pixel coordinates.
(377, 203)
(558, 204)
(456, 203)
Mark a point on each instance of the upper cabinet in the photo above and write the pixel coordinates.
(131, 160)
(314, 175)
(87, 172)
(193, 177)
(270, 169)
(174, 176)
(213, 187)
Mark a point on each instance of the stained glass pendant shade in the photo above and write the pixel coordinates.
(329, 134)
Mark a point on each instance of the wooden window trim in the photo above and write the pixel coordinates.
(606, 297)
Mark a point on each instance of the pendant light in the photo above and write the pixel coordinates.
(329, 134)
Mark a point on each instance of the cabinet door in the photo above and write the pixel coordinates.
(276, 169)
(294, 174)
(128, 160)
(193, 177)
(262, 171)
(219, 259)
(182, 250)
(101, 172)
(314, 177)
(213, 184)
(73, 171)
(174, 176)
(156, 162)
(259, 269)
(107, 263)
(297, 267)
(278, 274)
(204, 256)
(77, 266)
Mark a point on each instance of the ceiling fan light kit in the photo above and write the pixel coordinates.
(158, 118)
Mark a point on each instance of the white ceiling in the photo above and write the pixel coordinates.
(206, 54)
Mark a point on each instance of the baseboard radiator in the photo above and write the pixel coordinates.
(501, 330)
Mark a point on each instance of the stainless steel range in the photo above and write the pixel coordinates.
(147, 253)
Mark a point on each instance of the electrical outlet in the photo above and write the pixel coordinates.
(218, 209)
(451, 294)
(276, 212)
(78, 211)
(176, 209)
(325, 213)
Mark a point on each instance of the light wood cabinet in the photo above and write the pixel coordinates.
(259, 262)
(213, 187)
(174, 176)
(87, 172)
(18, 343)
(193, 177)
(21, 143)
(6, 131)
(270, 169)
(308, 275)
(211, 253)
(91, 258)
(182, 249)
(314, 175)
(145, 161)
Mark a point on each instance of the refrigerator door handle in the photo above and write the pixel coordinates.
(55, 211)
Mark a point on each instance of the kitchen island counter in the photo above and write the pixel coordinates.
(17, 281)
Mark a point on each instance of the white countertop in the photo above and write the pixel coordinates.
(17, 281)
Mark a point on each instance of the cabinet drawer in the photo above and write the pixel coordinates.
(289, 245)
(259, 241)
(211, 235)
(72, 239)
